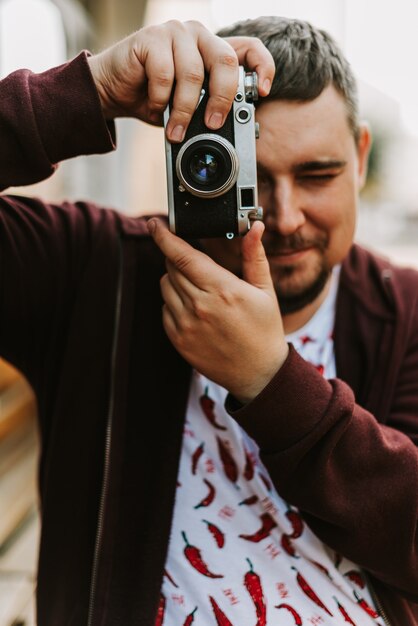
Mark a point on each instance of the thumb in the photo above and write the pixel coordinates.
(255, 266)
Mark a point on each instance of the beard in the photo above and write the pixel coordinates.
(293, 291)
(292, 302)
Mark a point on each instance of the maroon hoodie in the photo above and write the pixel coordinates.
(80, 315)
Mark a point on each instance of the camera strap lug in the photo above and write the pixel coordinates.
(246, 216)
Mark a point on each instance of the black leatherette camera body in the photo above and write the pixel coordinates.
(193, 214)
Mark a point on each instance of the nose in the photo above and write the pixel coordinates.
(282, 209)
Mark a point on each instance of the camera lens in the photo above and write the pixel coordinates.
(204, 167)
(207, 165)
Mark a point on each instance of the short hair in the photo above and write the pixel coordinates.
(307, 60)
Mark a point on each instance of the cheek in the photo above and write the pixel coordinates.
(264, 193)
(340, 223)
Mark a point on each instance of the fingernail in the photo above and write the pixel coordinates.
(177, 133)
(152, 225)
(267, 85)
(215, 120)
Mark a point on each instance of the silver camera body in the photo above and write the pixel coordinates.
(212, 175)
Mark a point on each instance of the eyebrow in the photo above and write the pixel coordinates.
(310, 166)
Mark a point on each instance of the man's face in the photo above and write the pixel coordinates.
(310, 171)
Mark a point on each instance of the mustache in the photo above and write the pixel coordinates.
(277, 244)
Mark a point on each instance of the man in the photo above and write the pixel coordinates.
(272, 512)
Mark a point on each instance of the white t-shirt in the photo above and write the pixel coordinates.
(239, 554)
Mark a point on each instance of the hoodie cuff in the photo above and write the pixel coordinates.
(68, 113)
(289, 407)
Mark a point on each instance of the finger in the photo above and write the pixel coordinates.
(221, 62)
(154, 51)
(193, 264)
(171, 296)
(253, 54)
(184, 287)
(160, 75)
(189, 76)
(169, 323)
(255, 266)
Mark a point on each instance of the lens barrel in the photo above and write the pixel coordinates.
(207, 165)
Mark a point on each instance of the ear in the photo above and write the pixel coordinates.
(363, 150)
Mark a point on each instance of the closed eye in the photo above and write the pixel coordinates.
(319, 171)
(318, 178)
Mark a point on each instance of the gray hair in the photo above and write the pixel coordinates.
(307, 61)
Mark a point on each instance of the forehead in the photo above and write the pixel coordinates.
(316, 127)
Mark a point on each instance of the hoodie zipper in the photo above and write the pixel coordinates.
(376, 600)
(108, 443)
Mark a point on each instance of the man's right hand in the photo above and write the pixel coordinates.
(135, 77)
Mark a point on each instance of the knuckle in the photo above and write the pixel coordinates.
(182, 113)
(185, 327)
(151, 34)
(200, 310)
(149, 31)
(228, 59)
(255, 41)
(156, 105)
(194, 75)
(181, 262)
(220, 101)
(228, 296)
(195, 25)
(174, 24)
(162, 78)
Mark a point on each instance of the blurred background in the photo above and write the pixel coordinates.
(379, 40)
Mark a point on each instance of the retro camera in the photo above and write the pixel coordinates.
(212, 175)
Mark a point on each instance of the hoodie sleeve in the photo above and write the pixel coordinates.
(354, 479)
(49, 117)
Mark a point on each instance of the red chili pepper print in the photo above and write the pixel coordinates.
(161, 610)
(210, 496)
(306, 339)
(190, 618)
(170, 578)
(196, 456)
(366, 607)
(320, 368)
(248, 501)
(249, 466)
(322, 568)
(228, 461)
(309, 592)
(297, 523)
(287, 546)
(292, 611)
(207, 405)
(267, 525)
(221, 618)
(252, 583)
(216, 532)
(344, 613)
(356, 578)
(194, 556)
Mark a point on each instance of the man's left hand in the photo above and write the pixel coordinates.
(228, 329)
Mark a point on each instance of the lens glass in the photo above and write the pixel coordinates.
(204, 167)
(207, 166)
